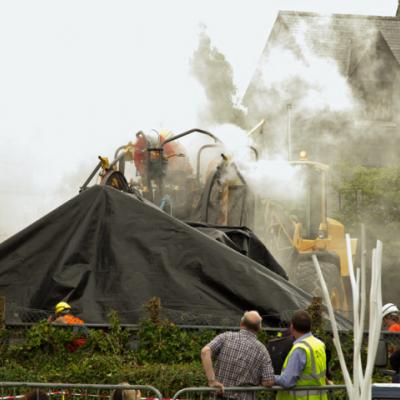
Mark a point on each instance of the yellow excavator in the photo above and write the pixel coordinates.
(296, 229)
(292, 226)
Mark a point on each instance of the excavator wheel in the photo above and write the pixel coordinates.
(306, 278)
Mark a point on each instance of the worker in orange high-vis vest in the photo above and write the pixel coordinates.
(63, 316)
(391, 317)
(391, 323)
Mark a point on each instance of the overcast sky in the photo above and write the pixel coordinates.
(78, 78)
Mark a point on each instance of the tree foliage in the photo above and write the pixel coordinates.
(372, 196)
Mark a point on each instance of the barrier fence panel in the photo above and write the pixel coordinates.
(333, 392)
(67, 391)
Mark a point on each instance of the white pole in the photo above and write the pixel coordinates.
(358, 337)
(363, 292)
(355, 293)
(336, 339)
(375, 321)
(360, 388)
(355, 289)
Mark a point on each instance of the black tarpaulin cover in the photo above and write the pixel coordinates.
(105, 250)
(243, 240)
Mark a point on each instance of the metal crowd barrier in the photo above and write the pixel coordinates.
(71, 391)
(389, 391)
(334, 392)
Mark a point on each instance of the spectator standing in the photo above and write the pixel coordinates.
(305, 365)
(240, 359)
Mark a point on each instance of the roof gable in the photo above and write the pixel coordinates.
(342, 37)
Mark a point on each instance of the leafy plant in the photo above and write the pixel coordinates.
(167, 357)
(164, 342)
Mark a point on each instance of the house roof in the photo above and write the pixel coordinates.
(342, 36)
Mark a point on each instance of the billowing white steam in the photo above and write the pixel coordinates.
(271, 176)
(272, 179)
(319, 79)
(324, 86)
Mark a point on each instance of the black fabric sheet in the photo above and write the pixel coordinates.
(105, 250)
(243, 240)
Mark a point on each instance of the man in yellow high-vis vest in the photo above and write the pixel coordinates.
(305, 365)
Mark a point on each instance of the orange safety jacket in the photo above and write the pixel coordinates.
(394, 328)
(70, 319)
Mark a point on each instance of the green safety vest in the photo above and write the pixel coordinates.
(313, 373)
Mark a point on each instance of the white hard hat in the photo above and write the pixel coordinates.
(389, 308)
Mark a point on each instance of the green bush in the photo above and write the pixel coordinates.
(167, 357)
(165, 342)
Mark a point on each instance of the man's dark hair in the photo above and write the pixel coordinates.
(301, 321)
(251, 326)
(36, 395)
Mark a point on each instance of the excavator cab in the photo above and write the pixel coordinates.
(311, 202)
(298, 227)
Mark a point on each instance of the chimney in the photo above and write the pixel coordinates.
(398, 10)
